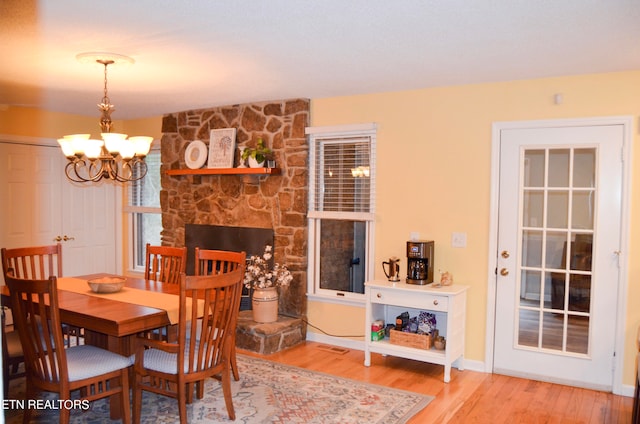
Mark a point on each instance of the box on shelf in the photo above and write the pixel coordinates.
(418, 341)
(377, 325)
(377, 335)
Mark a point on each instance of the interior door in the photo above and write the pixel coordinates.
(558, 242)
(41, 206)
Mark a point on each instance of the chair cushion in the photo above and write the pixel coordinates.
(87, 361)
(159, 360)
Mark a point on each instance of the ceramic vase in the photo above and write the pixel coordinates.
(264, 303)
(253, 163)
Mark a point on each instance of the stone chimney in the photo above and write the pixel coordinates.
(275, 201)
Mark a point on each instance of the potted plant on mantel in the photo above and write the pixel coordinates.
(257, 155)
(263, 279)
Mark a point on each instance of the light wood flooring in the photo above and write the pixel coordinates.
(470, 397)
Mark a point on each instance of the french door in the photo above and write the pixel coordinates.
(40, 206)
(559, 238)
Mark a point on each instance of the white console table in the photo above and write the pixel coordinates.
(387, 300)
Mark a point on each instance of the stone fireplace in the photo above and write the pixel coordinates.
(276, 202)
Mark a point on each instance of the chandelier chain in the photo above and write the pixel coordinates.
(105, 99)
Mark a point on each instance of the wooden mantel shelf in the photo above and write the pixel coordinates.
(225, 171)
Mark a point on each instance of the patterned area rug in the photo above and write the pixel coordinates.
(268, 392)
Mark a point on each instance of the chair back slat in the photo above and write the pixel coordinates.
(164, 263)
(36, 263)
(37, 319)
(214, 261)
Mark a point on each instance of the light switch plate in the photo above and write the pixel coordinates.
(458, 239)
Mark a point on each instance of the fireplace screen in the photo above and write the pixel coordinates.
(219, 237)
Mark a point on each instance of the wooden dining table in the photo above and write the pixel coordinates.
(108, 323)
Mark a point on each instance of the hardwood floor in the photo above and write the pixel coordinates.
(470, 397)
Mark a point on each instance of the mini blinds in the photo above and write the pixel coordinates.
(343, 175)
(145, 192)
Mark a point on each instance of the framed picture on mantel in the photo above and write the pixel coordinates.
(222, 147)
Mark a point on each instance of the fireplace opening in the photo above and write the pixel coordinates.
(220, 237)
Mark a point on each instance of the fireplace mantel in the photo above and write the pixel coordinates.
(225, 171)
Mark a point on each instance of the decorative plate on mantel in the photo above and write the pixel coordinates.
(195, 155)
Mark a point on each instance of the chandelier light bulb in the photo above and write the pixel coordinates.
(93, 148)
(142, 144)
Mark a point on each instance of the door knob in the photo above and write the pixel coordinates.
(57, 238)
(66, 238)
(504, 272)
(505, 254)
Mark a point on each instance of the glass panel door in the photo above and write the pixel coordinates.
(556, 235)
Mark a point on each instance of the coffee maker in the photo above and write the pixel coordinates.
(420, 262)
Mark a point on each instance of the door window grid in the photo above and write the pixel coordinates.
(555, 179)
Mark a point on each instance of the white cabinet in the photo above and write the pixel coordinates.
(387, 300)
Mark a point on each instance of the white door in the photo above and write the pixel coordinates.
(40, 205)
(558, 241)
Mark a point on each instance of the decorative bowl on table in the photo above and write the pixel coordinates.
(106, 284)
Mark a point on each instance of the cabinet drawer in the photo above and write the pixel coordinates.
(424, 301)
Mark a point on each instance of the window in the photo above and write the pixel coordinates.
(341, 209)
(145, 215)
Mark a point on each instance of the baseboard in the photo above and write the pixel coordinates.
(335, 341)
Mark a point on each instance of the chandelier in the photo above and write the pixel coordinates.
(115, 157)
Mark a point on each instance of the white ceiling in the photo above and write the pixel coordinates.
(202, 53)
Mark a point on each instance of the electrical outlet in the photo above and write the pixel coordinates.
(414, 236)
(458, 239)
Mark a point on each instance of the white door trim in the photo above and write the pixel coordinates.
(627, 123)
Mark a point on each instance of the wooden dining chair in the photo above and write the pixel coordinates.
(12, 355)
(39, 263)
(211, 262)
(203, 347)
(164, 263)
(95, 372)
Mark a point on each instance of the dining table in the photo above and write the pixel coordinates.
(113, 320)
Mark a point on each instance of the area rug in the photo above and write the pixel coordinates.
(268, 392)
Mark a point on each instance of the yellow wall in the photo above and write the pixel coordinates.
(441, 138)
(433, 164)
(29, 122)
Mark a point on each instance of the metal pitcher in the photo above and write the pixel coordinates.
(394, 269)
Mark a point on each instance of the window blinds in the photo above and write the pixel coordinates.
(343, 183)
(145, 193)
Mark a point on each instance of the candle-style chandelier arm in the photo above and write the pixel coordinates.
(93, 170)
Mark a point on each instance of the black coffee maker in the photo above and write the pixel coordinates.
(420, 262)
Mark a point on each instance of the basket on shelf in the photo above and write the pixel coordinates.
(418, 341)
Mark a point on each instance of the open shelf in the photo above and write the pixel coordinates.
(225, 171)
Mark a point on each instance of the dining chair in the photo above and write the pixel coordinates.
(203, 347)
(39, 263)
(210, 262)
(96, 373)
(12, 355)
(164, 263)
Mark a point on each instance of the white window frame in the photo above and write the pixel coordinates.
(131, 211)
(314, 292)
